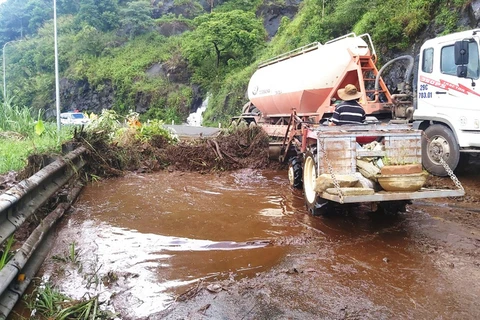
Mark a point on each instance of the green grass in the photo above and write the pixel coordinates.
(14, 152)
(22, 135)
(6, 253)
(70, 256)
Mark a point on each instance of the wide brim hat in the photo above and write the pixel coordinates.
(350, 92)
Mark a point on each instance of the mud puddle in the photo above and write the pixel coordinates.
(141, 239)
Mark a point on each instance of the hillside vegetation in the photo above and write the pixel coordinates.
(161, 58)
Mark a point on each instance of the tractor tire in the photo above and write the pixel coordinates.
(315, 205)
(463, 163)
(393, 207)
(442, 144)
(295, 173)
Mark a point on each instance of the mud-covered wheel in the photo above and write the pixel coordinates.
(442, 144)
(315, 205)
(295, 172)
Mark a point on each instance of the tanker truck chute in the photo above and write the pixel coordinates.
(292, 94)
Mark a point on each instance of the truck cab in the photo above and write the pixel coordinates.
(448, 100)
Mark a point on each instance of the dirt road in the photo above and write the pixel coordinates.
(142, 235)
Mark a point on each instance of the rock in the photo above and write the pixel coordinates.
(367, 169)
(172, 28)
(273, 12)
(475, 8)
(214, 288)
(186, 9)
(292, 271)
(81, 96)
(155, 70)
(325, 181)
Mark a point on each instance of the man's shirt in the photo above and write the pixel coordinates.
(348, 112)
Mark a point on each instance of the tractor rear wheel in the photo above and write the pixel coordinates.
(315, 205)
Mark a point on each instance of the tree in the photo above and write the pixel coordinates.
(136, 18)
(13, 20)
(23, 18)
(68, 6)
(100, 14)
(38, 12)
(223, 41)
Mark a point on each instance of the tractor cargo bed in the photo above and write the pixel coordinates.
(338, 149)
(395, 196)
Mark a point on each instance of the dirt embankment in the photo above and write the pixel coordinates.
(240, 148)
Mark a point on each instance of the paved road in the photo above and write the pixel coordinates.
(183, 130)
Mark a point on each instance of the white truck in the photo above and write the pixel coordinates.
(448, 100)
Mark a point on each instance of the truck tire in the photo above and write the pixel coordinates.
(442, 144)
(295, 173)
(315, 205)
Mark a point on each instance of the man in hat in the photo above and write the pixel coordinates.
(349, 111)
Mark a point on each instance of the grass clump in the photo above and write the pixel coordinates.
(70, 256)
(6, 253)
(47, 302)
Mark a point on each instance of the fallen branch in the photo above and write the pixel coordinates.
(218, 149)
(217, 154)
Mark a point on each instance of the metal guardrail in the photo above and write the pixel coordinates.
(19, 203)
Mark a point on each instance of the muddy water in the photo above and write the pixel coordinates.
(158, 233)
(144, 239)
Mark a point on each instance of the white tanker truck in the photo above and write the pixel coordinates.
(435, 122)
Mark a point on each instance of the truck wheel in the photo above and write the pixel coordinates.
(295, 173)
(442, 144)
(315, 205)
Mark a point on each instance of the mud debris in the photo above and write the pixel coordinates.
(7, 181)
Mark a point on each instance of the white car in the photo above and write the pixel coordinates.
(73, 118)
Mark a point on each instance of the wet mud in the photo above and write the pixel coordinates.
(142, 239)
(240, 245)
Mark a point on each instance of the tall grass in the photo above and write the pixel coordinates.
(16, 119)
(19, 139)
(49, 303)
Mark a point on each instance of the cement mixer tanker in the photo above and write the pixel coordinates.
(437, 126)
(307, 78)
